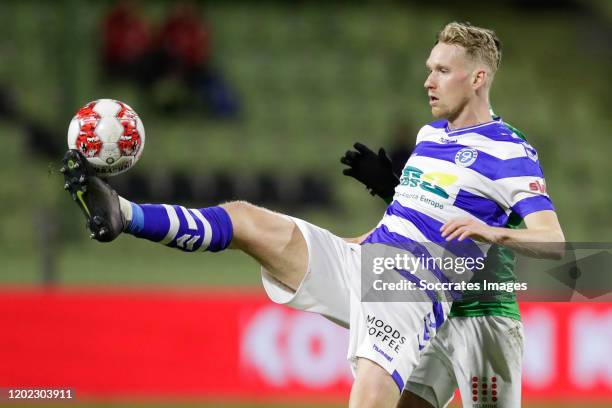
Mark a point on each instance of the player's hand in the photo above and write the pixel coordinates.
(462, 228)
(373, 170)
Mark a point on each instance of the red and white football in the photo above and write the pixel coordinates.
(109, 133)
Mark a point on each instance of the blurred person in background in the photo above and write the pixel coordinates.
(178, 52)
(186, 43)
(402, 144)
(127, 44)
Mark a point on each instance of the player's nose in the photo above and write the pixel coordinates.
(429, 83)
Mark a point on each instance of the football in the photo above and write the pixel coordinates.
(109, 133)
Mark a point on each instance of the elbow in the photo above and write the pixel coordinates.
(557, 246)
(551, 247)
(557, 255)
(554, 251)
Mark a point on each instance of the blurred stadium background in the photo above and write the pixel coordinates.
(281, 90)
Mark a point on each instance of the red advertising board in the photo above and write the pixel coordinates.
(233, 344)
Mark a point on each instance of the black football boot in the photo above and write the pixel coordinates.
(98, 201)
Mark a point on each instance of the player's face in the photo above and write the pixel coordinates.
(448, 84)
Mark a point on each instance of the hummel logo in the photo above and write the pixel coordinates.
(536, 186)
(446, 140)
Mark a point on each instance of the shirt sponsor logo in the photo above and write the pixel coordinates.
(537, 187)
(466, 157)
(431, 182)
(385, 334)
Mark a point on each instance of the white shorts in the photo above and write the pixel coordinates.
(392, 334)
(480, 355)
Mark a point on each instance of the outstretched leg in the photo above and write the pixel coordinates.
(271, 238)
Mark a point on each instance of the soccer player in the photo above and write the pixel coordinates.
(311, 269)
(479, 349)
(442, 368)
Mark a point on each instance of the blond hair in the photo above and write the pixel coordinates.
(481, 44)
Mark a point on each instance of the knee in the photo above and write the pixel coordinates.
(373, 387)
(374, 397)
(237, 208)
(241, 214)
(253, 226)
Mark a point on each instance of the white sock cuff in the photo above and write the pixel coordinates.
(126, 209)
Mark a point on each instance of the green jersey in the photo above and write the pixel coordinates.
(498, 267)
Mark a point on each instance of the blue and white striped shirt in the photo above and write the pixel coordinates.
(484, 172)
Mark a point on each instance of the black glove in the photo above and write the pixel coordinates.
(373, 170)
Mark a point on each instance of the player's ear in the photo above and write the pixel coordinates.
(479, 78)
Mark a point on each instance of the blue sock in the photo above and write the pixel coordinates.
(205, 229)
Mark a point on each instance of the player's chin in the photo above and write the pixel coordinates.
(437, 113)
